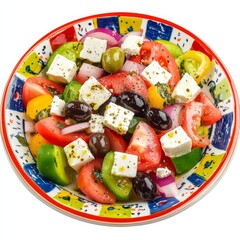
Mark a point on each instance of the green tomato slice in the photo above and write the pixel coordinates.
(52, 164)
(120, 186)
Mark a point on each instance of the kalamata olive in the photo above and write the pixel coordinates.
(102, 108)
(133, 102)
(144, 186)
(78, 111)
(158, 119)
(99, 144)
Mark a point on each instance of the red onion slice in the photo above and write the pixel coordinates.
(29, 126)
(136, 33)
(175, 113)
(112, 37)
(130, 66)
(88, 70)
(75, 128)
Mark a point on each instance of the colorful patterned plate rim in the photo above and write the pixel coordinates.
(192, 185)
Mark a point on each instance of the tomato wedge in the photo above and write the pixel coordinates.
(36, 86)
(116, 140)
(91, 187)
(145, 144)
(50, 128)
(191, 121)
(123, 81)
(157, 51)
(211, 114)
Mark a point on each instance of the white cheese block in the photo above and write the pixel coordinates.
(62, 69)
(93, 49)
(154, 73)
(176, 142)
(96, 124)
(163, 172)
(186, 89)
(132, 44)
(93, 93)
(117, 118)
(124, 165)
(57, 107)
(78, 153)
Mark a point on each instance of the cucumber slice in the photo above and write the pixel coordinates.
(71, 91)
(120, 186)
(52, 164)
(70, 50)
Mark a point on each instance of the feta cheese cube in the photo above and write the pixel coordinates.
(132, 44)
(154, 73)
(62, 69)
(78, 153)
(57, 107)
(124, 165)
(93, 49)
(117, 118)
(163, 172)
(186, 89)
(93, 93)
(96, 124)
(176, 142)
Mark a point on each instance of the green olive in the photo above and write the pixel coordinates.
(113, 59)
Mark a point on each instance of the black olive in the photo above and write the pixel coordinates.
(78, 111)
(133, 102)
(144, 186)
(158, 119)
(102, 108)
(99, 144)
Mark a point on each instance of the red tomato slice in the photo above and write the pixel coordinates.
(36, 86)
(191, 121)
(116, 140)
(91, 187)
(145, 144)
(50, 129)
(123, 81)
(156, 51)
(211, 114)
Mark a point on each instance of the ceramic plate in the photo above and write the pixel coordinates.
(192, 185)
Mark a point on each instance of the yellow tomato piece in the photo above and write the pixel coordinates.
(159, 95)
(35, 142)
(38, 104)
(197, 64)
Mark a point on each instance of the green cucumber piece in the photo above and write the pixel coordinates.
(173, 48)
(121, 187)
(187, 161)
(53, 165)
(71, 91)
(70, 50)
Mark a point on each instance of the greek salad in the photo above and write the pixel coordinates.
(121, 116)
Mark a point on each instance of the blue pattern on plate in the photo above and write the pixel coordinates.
(14, 100)
(196, 179)
(44, 184)
(223, 131)
(111, 23)
(158, 31)
(161, 204)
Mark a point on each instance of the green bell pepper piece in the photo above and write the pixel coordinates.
(187, 161)
(53, 165)
(120, 186)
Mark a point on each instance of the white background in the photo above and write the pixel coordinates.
(23, 216)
